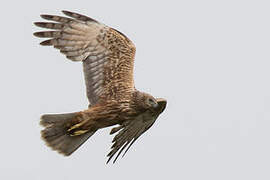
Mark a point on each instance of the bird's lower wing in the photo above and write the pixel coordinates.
(131, 130)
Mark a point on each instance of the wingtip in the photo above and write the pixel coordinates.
(34, 34)
(66, 12)
(78, 16)
(37, 34)
(46, 43)
(70, 14)
(39, 24)
(109, 160)
(46, 16)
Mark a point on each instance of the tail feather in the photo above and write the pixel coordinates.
(49, 119)
(56, 133)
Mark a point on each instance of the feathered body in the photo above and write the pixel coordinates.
(108, 60)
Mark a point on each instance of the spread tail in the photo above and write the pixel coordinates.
(56, 133)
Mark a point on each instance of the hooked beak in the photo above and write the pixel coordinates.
(161, 104)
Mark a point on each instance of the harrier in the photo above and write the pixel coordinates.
(107, 56)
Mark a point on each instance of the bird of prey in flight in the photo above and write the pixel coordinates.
(107, 56)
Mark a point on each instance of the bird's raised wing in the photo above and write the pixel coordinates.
(131, 130)
(107, 55)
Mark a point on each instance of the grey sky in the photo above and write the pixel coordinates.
(209, 59)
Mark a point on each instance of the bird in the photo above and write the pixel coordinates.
(107, 56)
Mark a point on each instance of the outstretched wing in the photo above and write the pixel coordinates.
(131, 130)
(107, 55)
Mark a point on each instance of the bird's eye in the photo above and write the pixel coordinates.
(152, 102)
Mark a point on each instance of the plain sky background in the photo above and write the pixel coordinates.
(209, 59)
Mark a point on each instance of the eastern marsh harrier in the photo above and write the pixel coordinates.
(107, 57)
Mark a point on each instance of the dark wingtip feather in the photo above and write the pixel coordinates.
(35, 34)
(39, 34)
(46, 43)
(49, 25)
(37, 23)
(116, 129)
(78, 16)
(68, 13)
(110, 157)
(46, 16)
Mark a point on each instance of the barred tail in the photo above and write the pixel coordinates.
(56, 133)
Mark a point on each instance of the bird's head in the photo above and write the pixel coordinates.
(150, 102)
(146, 101)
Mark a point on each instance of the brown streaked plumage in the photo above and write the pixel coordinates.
(108, 59)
